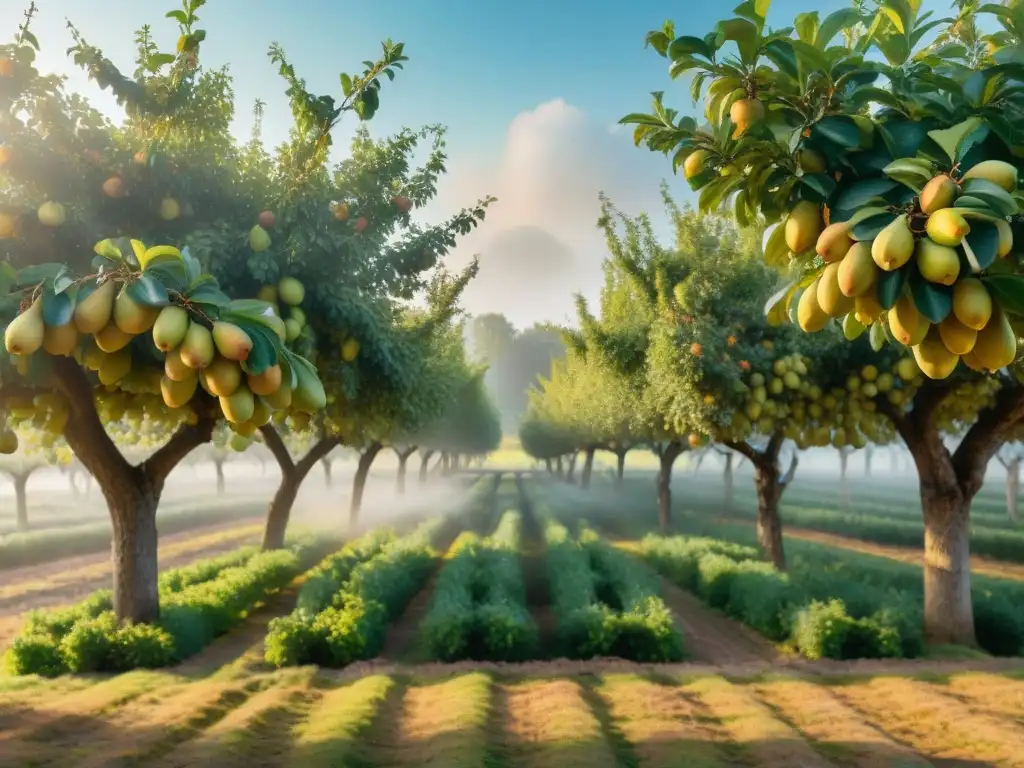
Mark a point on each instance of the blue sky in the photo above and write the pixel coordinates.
(530, 91)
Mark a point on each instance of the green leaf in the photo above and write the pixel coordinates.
(264, 352)
(950, 139)
(8, 277)
(821, 183)
(871, 94)
(868, 229)
(983, 241)
(862, 192)
(195, 269)
(902, 138)
(994, 196)
(783, 56)
(171, 272)
(932, 300)
(833, 24)
(775, 307)
(57, 309)
(912, 172)
(776, 252)
(744, 33)
(890, 287)
(38, 273)
(63, 281)
(1008, 291)
(974, 204)
(178, 16)
(208, 292)
(840, 130)
(346, 84)
(687, 45)
(157, 60)
(807, 26)
(148, 291)
(971, 140)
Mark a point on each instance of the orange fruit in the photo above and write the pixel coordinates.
(696, 349)
(6, 66)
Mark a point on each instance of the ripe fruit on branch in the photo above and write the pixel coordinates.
(937, 263)
(51, 214)
(803, 226)
(266, 383)
(350, 349)
(222, 377)
(810, 316)
(998, 172)
(1005, 238)
(8, 442)
(24, 334)
(175, 368)
(340, 211)
(857, 271)
(141, 157)
(972, 303)
(259, 239)
(112, 339)
(947, 226)
(934, 360)
(402, 203)
(745, 113)
(940, 192)
(177, 393)
(958, 338)
(834, 242)
(291, 291)
(60, 340)
(996, 346)
(231, 341)
(908, 326)
(696, 349)
(197, 349)
(131, 317)
(267, 293)
(239, 406)
(266, 219)
(694, 163)
(830, 298)
(360, 225)
(169, 209)
(811, 161)
(8, 226)
(93, 312)
(6, 66)
(894, 245)
(114, 187)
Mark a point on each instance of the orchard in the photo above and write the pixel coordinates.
(887, 165)
(158, 277)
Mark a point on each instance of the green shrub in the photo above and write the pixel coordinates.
(324, 581)
(35, 654)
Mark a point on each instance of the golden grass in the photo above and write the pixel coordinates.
(330, 735)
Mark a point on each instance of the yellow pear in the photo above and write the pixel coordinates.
(947, 226)
(695, 163)
(744, 113)
(937, 263)
(170, 328)
(996, 346)
(175, 368)
(60, 340)
(177, 393)
(266, 383)
(222, 377)
(132, 317)
(309, 395)
(938, 193)
(810, 316)
(812, 161)
(894, 245)
(115, 367)
(112, 339)
(231, 341)
(972, 304)
(281, 398)
(958, 338)
(292, 329)
(238, 406)
(852, 327)
(934, 360)
(834, 242)
(267, 293)
(94, 311)
(25, 333)
(8, 442)
(1005, 238)
(350, 349)
(857, 271)
(972, 362)
(998, 172)
(908, 326)
(279, 326)
(197, 347)
(291, 291)
(832, 300)
(261, 413)
(803, 226)
(867, 307)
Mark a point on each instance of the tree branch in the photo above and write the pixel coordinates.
(987, 435)
(744, 448)
(186, 438)
(787, 478)
(319, 451)
(272, 439)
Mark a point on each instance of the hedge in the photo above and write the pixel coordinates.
(478, 609)
(197, 603)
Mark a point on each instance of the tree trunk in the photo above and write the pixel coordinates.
(666, 459)
(328, 471)
(424, 461)
(570, 475)
(21, 499)
(948, 612)
(844, 488)
(561, 469)
(134, 551)
(445, 463)
(220, 477)
(1012, 487)
(293, 473)
(620, 468)
(280, 510)
(359, 482)
(550, 466)
(769, 524)
(403, 460)
(588, 468)
(869, 452)
(727, 475)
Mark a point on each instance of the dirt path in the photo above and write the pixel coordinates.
(534, 576)
(710, 637)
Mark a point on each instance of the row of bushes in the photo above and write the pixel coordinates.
(831, 603)
(604, 604)
(198, 603)
(478, 609)
(353, 626)
(35, 547)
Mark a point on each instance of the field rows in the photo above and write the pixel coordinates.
(314, 718)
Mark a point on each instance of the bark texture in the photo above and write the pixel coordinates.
(770, 486)
(425, 466)
(588, 467)
(359, 481)
(620, 467)
(667, 455)
(403, 462)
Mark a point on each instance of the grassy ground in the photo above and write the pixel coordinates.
(527, 715)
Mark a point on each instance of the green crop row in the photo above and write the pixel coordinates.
(605, 604)
(198, 604)
(35, 547)
(478, 609)
(323, 582)
(353, 626)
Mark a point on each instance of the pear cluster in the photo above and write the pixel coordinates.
(286, 300)
(931, 238)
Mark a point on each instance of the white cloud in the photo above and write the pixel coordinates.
(547, 175)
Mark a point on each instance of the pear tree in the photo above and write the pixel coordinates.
(888, 157)
(111, 301)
